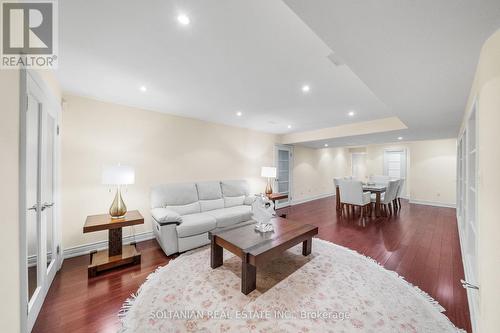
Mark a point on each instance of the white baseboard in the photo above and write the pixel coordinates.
(432, 203)
(81, 250)
(311, 198)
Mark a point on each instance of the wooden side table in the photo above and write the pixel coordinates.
(275, 197)
(117, 254)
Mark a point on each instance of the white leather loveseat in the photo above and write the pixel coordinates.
(183, 214)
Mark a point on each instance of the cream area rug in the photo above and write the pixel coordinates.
(332, 290)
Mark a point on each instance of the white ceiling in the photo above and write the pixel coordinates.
(252, 56)
(418, 57)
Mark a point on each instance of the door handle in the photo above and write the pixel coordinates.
(468, 285)
(34, 207)
(47, 205)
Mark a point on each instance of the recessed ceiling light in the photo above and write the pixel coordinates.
(143, 88)
(326, 144)
(183, 19)
(289, 126)
(305, 88)
(351, 113)
(239, 113)
(400, 138)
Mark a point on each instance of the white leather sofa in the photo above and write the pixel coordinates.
(183, 214)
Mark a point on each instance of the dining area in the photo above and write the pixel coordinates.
(378, 196)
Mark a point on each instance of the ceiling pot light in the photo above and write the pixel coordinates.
(306, 88)
(289, 126)
(351, 113)
(183, 19)
(239, 113)
(143, 88)
(326, 144)
(400, 138)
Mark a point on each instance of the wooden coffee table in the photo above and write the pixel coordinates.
(255, 248)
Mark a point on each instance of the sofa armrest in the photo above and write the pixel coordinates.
(166, 216)
(249, 200)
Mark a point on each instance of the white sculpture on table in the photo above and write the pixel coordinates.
(263, 211)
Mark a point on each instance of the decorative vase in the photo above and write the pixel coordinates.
(269, 189)
(118, 208)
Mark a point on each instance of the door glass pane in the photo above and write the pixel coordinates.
(48, 183)
(283, 166)
(32, 132)
(282, 187)
(283, 175)
(283, 155)
(283, 171)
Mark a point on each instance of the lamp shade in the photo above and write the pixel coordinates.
(269, 172)
(118, 175)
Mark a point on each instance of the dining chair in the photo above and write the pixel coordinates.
(395, 207)
(336, 184)
(387, 198)
(400, 191)
(353, 196)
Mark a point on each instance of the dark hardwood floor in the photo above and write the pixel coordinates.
(420, 243)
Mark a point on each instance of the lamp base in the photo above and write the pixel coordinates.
(118, 208)
(269, 189)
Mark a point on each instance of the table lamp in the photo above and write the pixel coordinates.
(118, 175)
(269, 172)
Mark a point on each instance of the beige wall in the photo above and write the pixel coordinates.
(9, 195)
(431, 169)
(486, 88)
(314, 170)
(161, 147)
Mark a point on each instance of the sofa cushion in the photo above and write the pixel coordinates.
(173, 195)
(191, 208)
(209, 190)
(163, 216)
(229, 216)
(234, 188)
(234, 201)
(195, 224)
(207, 205)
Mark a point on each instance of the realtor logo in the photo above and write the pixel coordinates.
(29, 34)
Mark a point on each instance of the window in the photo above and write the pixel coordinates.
(395, 164)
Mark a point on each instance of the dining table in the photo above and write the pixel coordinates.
(377, 189)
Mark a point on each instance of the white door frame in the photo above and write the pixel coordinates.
(290, 173)
(30, 79)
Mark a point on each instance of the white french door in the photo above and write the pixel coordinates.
(467, 194)
(41, 188)
(283, 181)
